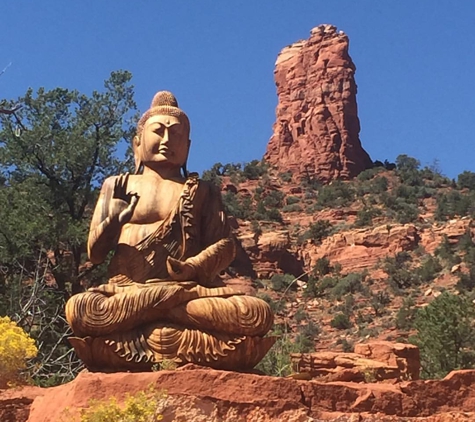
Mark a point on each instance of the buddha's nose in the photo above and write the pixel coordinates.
(166, 136)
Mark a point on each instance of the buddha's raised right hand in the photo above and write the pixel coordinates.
(122, 203)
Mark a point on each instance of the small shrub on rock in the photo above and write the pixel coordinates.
(341, 322)
(429, 269)
(351, 283)
(142, 406)
(292, 208)
(322, 266)
(281, 282)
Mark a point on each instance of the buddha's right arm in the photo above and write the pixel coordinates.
(105, 229)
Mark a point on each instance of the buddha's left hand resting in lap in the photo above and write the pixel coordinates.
(171, 239)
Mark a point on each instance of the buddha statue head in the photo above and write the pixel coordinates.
(162, 139)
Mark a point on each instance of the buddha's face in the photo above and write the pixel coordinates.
(164, 142)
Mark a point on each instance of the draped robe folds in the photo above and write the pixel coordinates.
(141, 317)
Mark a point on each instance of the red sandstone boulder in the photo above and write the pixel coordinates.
(403, 356)
(316, 132)
(15, 403)
(375, 361)
(270, 253)
(207, 395)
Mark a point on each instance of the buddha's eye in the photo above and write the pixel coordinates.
(176, 130)
(159, 130)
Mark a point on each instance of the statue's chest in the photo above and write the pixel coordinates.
(154, 206)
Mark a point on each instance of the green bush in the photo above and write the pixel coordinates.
(290, 200)
(365, 217)
(351, 283)
(316, 231)
(400, 275)
(232, 205)
(347, 307)
(256, 229)
(346, 346)
(273, 199)
(341, 322)
(379, 302)
(446, 252)
(286, 177)
(407, 213)
(405, 315)
(454, 203)
(277, 361)
(402, 203)
(300, 315)
(311, 288)
(408, 170)
(281, 282)
(322, 266)
(466, 180)
(213, 175)
(337, 194)
(319, 230)
(445, 335)
(466, 282)
(379, 184)
(274, 215)
(368, 174)
(254, 169)
(292, 208)
(465, 243)
(327, 283)
(429, 269)
(267, 212)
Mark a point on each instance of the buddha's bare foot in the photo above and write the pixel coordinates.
(161, 281)
(112, 289)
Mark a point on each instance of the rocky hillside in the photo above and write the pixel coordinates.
(350, 261)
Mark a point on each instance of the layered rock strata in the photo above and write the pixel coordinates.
(316, 132)
(376, 361)
(198, 394)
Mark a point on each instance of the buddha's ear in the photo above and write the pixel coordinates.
(137, 154)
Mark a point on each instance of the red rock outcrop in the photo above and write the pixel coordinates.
(375, 361)
(361, 249)
(197, 394)
(316, 132)
(270, 253)
(15, 402)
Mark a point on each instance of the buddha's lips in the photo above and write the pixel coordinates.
(165, 151)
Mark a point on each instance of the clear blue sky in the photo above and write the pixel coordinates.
(415, 64)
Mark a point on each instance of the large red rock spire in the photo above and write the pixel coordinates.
(316, 132)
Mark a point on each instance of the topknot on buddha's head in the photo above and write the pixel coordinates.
(164, 103)
(164, 98)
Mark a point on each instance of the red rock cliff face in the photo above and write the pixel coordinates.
(316, 132)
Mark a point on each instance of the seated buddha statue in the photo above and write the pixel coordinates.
(171, 240)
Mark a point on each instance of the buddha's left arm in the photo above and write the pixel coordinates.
(217, 240)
